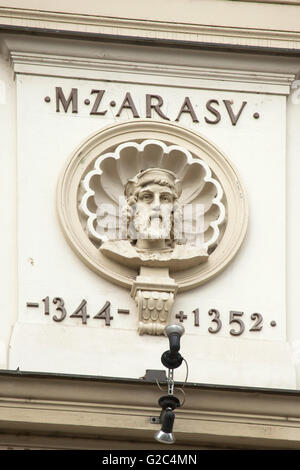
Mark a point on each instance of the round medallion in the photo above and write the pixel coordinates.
(126, 166)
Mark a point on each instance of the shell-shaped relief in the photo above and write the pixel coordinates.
(101, 194)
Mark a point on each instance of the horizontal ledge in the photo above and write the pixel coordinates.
(149, 65)
(113, 408)
(167, 75)
(275, 46)
(33, 378)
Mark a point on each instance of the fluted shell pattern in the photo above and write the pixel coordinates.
(102, 190)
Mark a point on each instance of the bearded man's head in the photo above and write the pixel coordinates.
(152, 205)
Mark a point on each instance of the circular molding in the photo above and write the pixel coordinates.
(108, 139)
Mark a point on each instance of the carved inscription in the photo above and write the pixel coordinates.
(59, 311)
(235, 322)
(152, 106)
(236, 319)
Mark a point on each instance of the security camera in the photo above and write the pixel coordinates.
(172, 359)
(165, 434)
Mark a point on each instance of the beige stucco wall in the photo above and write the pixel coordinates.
(26, 65)
(38, 64)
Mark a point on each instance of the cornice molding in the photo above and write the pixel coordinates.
(149, 65)
(147, 29)
(137, 72)
(90, 407)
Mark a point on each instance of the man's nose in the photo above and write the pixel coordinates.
(156, 203)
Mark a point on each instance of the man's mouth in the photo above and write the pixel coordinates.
(155, 216)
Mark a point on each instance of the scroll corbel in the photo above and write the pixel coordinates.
(154, 294)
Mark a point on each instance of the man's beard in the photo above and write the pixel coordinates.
(153, 225)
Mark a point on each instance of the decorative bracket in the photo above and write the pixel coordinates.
(154, 294)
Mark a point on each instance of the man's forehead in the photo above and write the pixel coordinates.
(154, 187)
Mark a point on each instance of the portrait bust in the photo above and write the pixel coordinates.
(154, 228)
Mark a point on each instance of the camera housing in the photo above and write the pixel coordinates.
(172, 358)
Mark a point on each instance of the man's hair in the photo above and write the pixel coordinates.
(153, 175)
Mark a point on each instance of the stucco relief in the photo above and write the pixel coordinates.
(153, 211)
(167, 215)
(152, 204)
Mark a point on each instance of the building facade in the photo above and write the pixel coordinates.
(149, 178)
